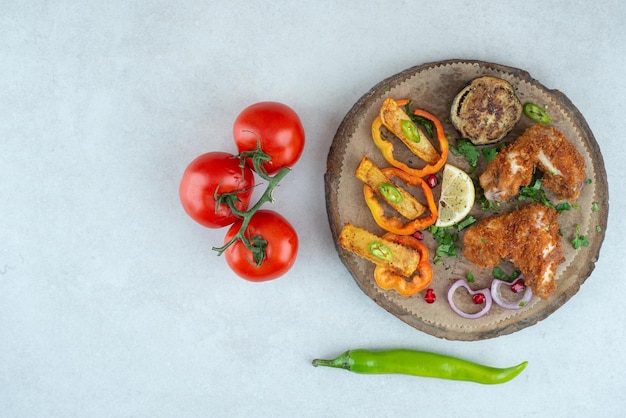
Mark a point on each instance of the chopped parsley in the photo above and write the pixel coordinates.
(563, 207)
(446, 240)
(534, 192)
(465, 222)
(499, 274)
(579, 240)
(490, 153)
(487, 205)
(467, 150)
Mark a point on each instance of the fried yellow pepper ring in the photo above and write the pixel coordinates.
(394, 224)
(387, 279)
(386, 147)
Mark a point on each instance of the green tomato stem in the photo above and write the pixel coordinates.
(255, 244)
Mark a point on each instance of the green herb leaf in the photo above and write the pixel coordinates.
(468, 150)
(487, 205)
(535, 192)
(579, 240)
(489, 153)
(595, 207)
(465, 222)
(499, 274)
(446, 240)
(563, 207)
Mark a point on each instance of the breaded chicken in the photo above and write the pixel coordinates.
(563, 167)
(528, 237)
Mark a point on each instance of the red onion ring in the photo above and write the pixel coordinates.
(463, 283)
(496, 284)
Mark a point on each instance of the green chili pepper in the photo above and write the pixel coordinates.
(380, 250)
(420, 363)
(410, 130)
(536, 113)
(390, 192)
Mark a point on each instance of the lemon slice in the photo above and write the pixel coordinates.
(457, 196)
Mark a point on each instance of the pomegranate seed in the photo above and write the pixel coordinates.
(430, 296)
(478, 298)
(432, 181)
(419, 235)
(518, 286)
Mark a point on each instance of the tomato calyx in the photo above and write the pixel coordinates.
(256, 244)
(256, 156)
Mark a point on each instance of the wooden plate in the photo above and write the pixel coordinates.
(432, 87)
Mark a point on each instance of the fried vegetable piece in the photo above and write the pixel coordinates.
(398, 198)
(406, 286)
(394, 224)
(383, 252)
(400, 124)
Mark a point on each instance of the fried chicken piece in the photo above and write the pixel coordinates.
(529, 237)
(563, 167)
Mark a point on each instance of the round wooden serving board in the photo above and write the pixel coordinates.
(432, 87)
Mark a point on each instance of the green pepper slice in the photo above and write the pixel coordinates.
(410, 130)
(536, 113)
(380, 251)
(390, 192)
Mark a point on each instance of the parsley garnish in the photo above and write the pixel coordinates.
(467, 150)
(534, 192)
(489, 153)
(487, 205)
(563, 207)
(499, 274)
(579, 240)
(446, 240)
(465, 222)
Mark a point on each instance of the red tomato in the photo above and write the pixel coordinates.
(205, 174)
(280, 252)
(278, 128)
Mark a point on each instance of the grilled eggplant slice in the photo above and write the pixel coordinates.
(486, 110)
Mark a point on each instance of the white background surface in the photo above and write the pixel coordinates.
(111, 302)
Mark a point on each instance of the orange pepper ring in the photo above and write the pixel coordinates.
(388, 280)
(394, 224)
(386, 147)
